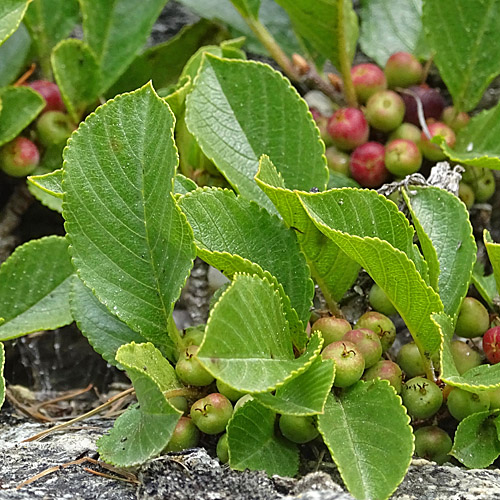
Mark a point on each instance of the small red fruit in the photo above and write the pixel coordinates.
(402, 70)
(348, 128)
(19, 157)
(367, 165)
(491, 345)
(432, 151)
(50, 92)
(367, 79)
(432, 103)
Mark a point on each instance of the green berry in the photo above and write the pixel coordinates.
(332, 329)
(349, 362)
(189, 369)
(54, 127)
(462, 403)
(410, 360)
(422, 397)
(433, 443)
(338, 161)
(402, 70)
(432, 151)
(193, 335)
(381, 325)
(228, 391)
(385, 110)
(186, 435)
(456, 121)
(473, 319)
(465, 357)
(402, 157)
(298, 429)
(386, 370)
(212, 413)
(222, 449)
(368, 343)
(466, 194)
(179, 402)
(406, 131)
(380, 301)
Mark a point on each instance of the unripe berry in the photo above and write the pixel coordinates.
(298, 429)
(432, 103)
(381, 325)
(367, 79)
(212, 413)
(50, 93)
(491, 345)
(422, 397)
(386, 370)
(222, 449)
(349, 362)
(402, 70)
(456, 121)
(402, 157)
(19, 157)
(385, 110)
(189, 369)
(193, 335)
(337, 160)
(466, 194)
(367, 165)
(406, 131)
(410, 360)
(380, 301)
(462, 403)
(186, 435)
(464, 356)
(481, 180)
(432, 151)
(54, 127)
(348, 128)
(433, 443)
(368, 343)
(473, 319)
(331, 329)
(322, 123)
(228, 391)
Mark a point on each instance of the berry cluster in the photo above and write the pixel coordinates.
(21, 156)
(384, 137)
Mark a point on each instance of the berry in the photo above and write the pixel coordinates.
(402, 70)
(228, 391)
(380, 301)
(193, 335)
(337, 160)
(385, 110)
(367, 165)
(386, 370)
(402, 157)
(462, 403)
(422, 397)
(381, 325)
(433, 443)
(367, 342)
(410, 360)
(432, 151)
(466, 194)
(464, 356)
(473, 319)
(432, 103)
(222, 449)
(348, 128)
(298, 429)
(179, 402)
(456, 121)
(406, 131)
(189, 369)
(186, 435)
(367, 79)
(54, 127)
(349, 362)
(491, 345)
(322, 124)
(19, 157)
(332, 329)
(481, 180)
(51, 94)
(212, 413)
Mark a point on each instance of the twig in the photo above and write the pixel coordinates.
(20, 81)
(26, 409)
(68, 395)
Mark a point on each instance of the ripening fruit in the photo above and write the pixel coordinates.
(54, 127)
(380, 301)
(332, 329)
(491, 345)
(338, 161)
(368, 343)
(50, 93)
(410, 360)
(473, 319)
(432, 151)
(298, 429)
(19, 157)
(212, 413)
(186, 435)
(381, 325)
(349, 362)
(385, 110)
(402, 157)
(386, 370)
(367, 165)
(422, 397)
(464, 356)
(348, 128)
(402, 70)
(462, 403)
(189, 369)
(456, 121)
(432, 103)
(406, 131)
(367, 79)
(433, 443)
(193, 335)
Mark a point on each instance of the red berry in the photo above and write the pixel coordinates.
(491, 345)
(432, 103)
(432, 151)
(367, 79)
(19, 157)
(348, 128)
(402, 70)
(50, 92)
(367, 165)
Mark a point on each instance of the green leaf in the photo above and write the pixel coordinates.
(370, 229)
(331, 268)
(305, 394)
(367, 431)
(183, 185)
(49, 21)
(51, 183)
(477, 144)
(446, 241)
(13, 55)
(11, 15)
(247, 341)
(239, 110)
(34, 287)
(254, 445)
(129, 241)
(77, 73)
(163, 63)
(478, 378)
(115, 30)
(45, 198)
(2, 380)
(104, 331)
(218, 218)
(476, 442)
(20, 106)
(318, 22)
(485, 285)
(387, 28)
(464, 46)
(248, 8)
(143, 431)
(493, 250)
(338, 180)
